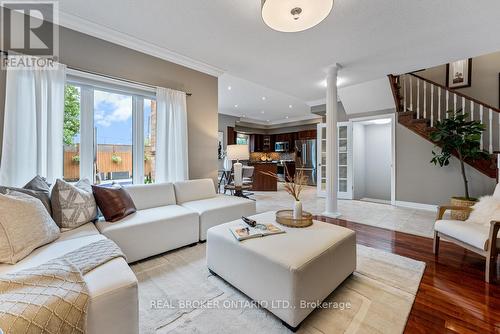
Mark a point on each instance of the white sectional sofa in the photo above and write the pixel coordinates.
(213, 209)
(168, 216)
(113, 305)
(159, 225)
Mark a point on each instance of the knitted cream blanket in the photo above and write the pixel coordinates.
(53, 297)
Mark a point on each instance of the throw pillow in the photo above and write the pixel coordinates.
(484, 211)
(37, 188)
(73, 205)
(25, 226)
(115, 203)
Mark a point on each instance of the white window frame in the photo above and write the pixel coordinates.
(88, 83)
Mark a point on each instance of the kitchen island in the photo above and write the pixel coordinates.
(262, 182)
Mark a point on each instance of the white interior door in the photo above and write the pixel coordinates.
(344, 160)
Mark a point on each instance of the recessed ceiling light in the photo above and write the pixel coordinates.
(262, 112)
(236, 106)
(263, 98)
(268, 120)
(290, 106)
(286, 117)
(244, 116)
(229, 87)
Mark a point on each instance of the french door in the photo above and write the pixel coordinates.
(344, 160)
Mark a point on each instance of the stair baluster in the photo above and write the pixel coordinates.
(471, 110)
(439, 104)
(432, 105)
(404, 93)
(490, 131)
(418, 99)
(425, 99)
(481, 110)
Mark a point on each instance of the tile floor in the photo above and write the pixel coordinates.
(417, 222)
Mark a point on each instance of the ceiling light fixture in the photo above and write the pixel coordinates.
(290, 106)
(263, 98)
(295, 15)
(236, 106)
(229, 87)
(262, 112)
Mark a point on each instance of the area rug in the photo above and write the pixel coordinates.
(177, 294)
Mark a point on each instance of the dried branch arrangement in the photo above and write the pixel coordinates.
(293, 184)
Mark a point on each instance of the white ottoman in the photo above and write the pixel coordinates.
(287, 273)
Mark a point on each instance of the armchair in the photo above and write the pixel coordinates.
(477, 238)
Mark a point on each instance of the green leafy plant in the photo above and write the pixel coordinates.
(457, 135)
(116, 159)
(71, 114)
(75, 159)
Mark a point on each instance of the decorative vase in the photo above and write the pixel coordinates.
(297, 210)
(458, 201)
(227, 163)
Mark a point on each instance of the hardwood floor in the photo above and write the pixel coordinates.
(452, 297)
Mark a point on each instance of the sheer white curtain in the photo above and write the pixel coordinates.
(172, 136)
(33, 125)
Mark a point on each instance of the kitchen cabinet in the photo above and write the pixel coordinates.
(262, 143)
(256, 143)
(231, 136)
(307, 134)
(263, 182)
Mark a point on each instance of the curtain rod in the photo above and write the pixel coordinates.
(107, 76)
(117, 78)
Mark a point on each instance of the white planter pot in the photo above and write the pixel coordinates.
(297, 210)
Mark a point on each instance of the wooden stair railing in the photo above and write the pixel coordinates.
(420, 103)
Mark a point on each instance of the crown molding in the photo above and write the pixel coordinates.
(79, 24)
(308, 119)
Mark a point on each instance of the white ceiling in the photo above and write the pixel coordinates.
(370, 39)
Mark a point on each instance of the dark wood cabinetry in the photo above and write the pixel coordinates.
(266, 143)
(262, 143)
(231, 136)
(307, 134)
(263, 182)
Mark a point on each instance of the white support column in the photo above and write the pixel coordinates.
(331, 205)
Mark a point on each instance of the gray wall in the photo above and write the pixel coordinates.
(485, 71)
(358, 160)
(378, 161)
(419, 181)
(85, 52)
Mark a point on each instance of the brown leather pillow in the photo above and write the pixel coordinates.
(115, 202)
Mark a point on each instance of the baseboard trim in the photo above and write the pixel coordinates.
(419, 206)
(375, 200)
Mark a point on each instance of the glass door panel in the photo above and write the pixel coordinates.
(344, 160)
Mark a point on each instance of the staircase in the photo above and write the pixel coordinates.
(420, 103)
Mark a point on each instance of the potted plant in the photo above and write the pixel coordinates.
(293, 186)
(456, 135)
(116, 159)
(75, 159)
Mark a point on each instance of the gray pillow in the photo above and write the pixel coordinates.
(73, 205)
(24, 226)
(37, 188)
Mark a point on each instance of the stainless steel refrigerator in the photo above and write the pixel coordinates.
(305, 159)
